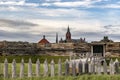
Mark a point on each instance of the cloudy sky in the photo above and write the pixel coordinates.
(29, 20)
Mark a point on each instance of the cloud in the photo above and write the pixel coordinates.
(17, 3)
(15, 26)
(82, 3)
(87, 18)
(52, 0)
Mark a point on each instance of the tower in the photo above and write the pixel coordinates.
(56, 37)
(68, 35)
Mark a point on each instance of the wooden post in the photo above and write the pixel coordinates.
(116, 65)
(91, 67)
(45, 68)
(94, 66)
(92, 50)
(37, 68)
(80, 66)
(14, 69)
(74, 68)
(86, 67)
(52, 68)
(22, 69)
(5, 71)
(99, 67)
(66, 67)
(59, 68)
(105, 67)
(30, 68)
(112, 68)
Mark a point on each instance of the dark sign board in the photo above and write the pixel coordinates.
(98, 49)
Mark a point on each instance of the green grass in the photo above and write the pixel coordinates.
(33, 57)
(26, 69)
(81, 77)
(49, 58)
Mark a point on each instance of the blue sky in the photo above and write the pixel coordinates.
(29, 20)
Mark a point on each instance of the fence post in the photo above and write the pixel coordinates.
(45, 68)
(5, 71)
(99, 67)
(59, 68)
(112, 68)
(116, 64)
(52, 68)
(13, 68)
(66, 67)
(30, 68)
(74, 68)
(91, 67)
(105, 67)
(86, 67)
(37, 68)
(80, 66)
(22, 69)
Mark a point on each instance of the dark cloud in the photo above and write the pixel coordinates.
(51, 36)
(16, 24)
(24, 36)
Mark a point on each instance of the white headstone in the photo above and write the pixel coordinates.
(37, 68)
(13, 68)
(59, 68)
(30, 68)
(5, 71)
(45, 68)
(22, 69)
(111, 67)
(105, 67)
(52, 68)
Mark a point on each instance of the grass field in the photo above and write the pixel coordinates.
(26, 69)
(49, 58)
(81, 77)
(33, 58)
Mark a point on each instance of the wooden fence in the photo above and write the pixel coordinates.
(70, 68)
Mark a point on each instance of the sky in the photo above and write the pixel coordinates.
(29, 20)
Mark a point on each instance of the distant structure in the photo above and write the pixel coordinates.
(17, 48)
(63, 47)
(43, 41)
(56, 37)
(106, 39)
(68, 35)
(70, 40)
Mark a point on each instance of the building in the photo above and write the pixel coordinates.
(103, 47)
(68, 38)
(44, 43)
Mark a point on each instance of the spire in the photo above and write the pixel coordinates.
(56, 37)
(61, 39)
(68, 30)
(43, 36)
(68, 34)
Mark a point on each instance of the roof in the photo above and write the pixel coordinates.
(44, 41)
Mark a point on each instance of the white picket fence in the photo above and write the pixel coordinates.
(70, 68)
